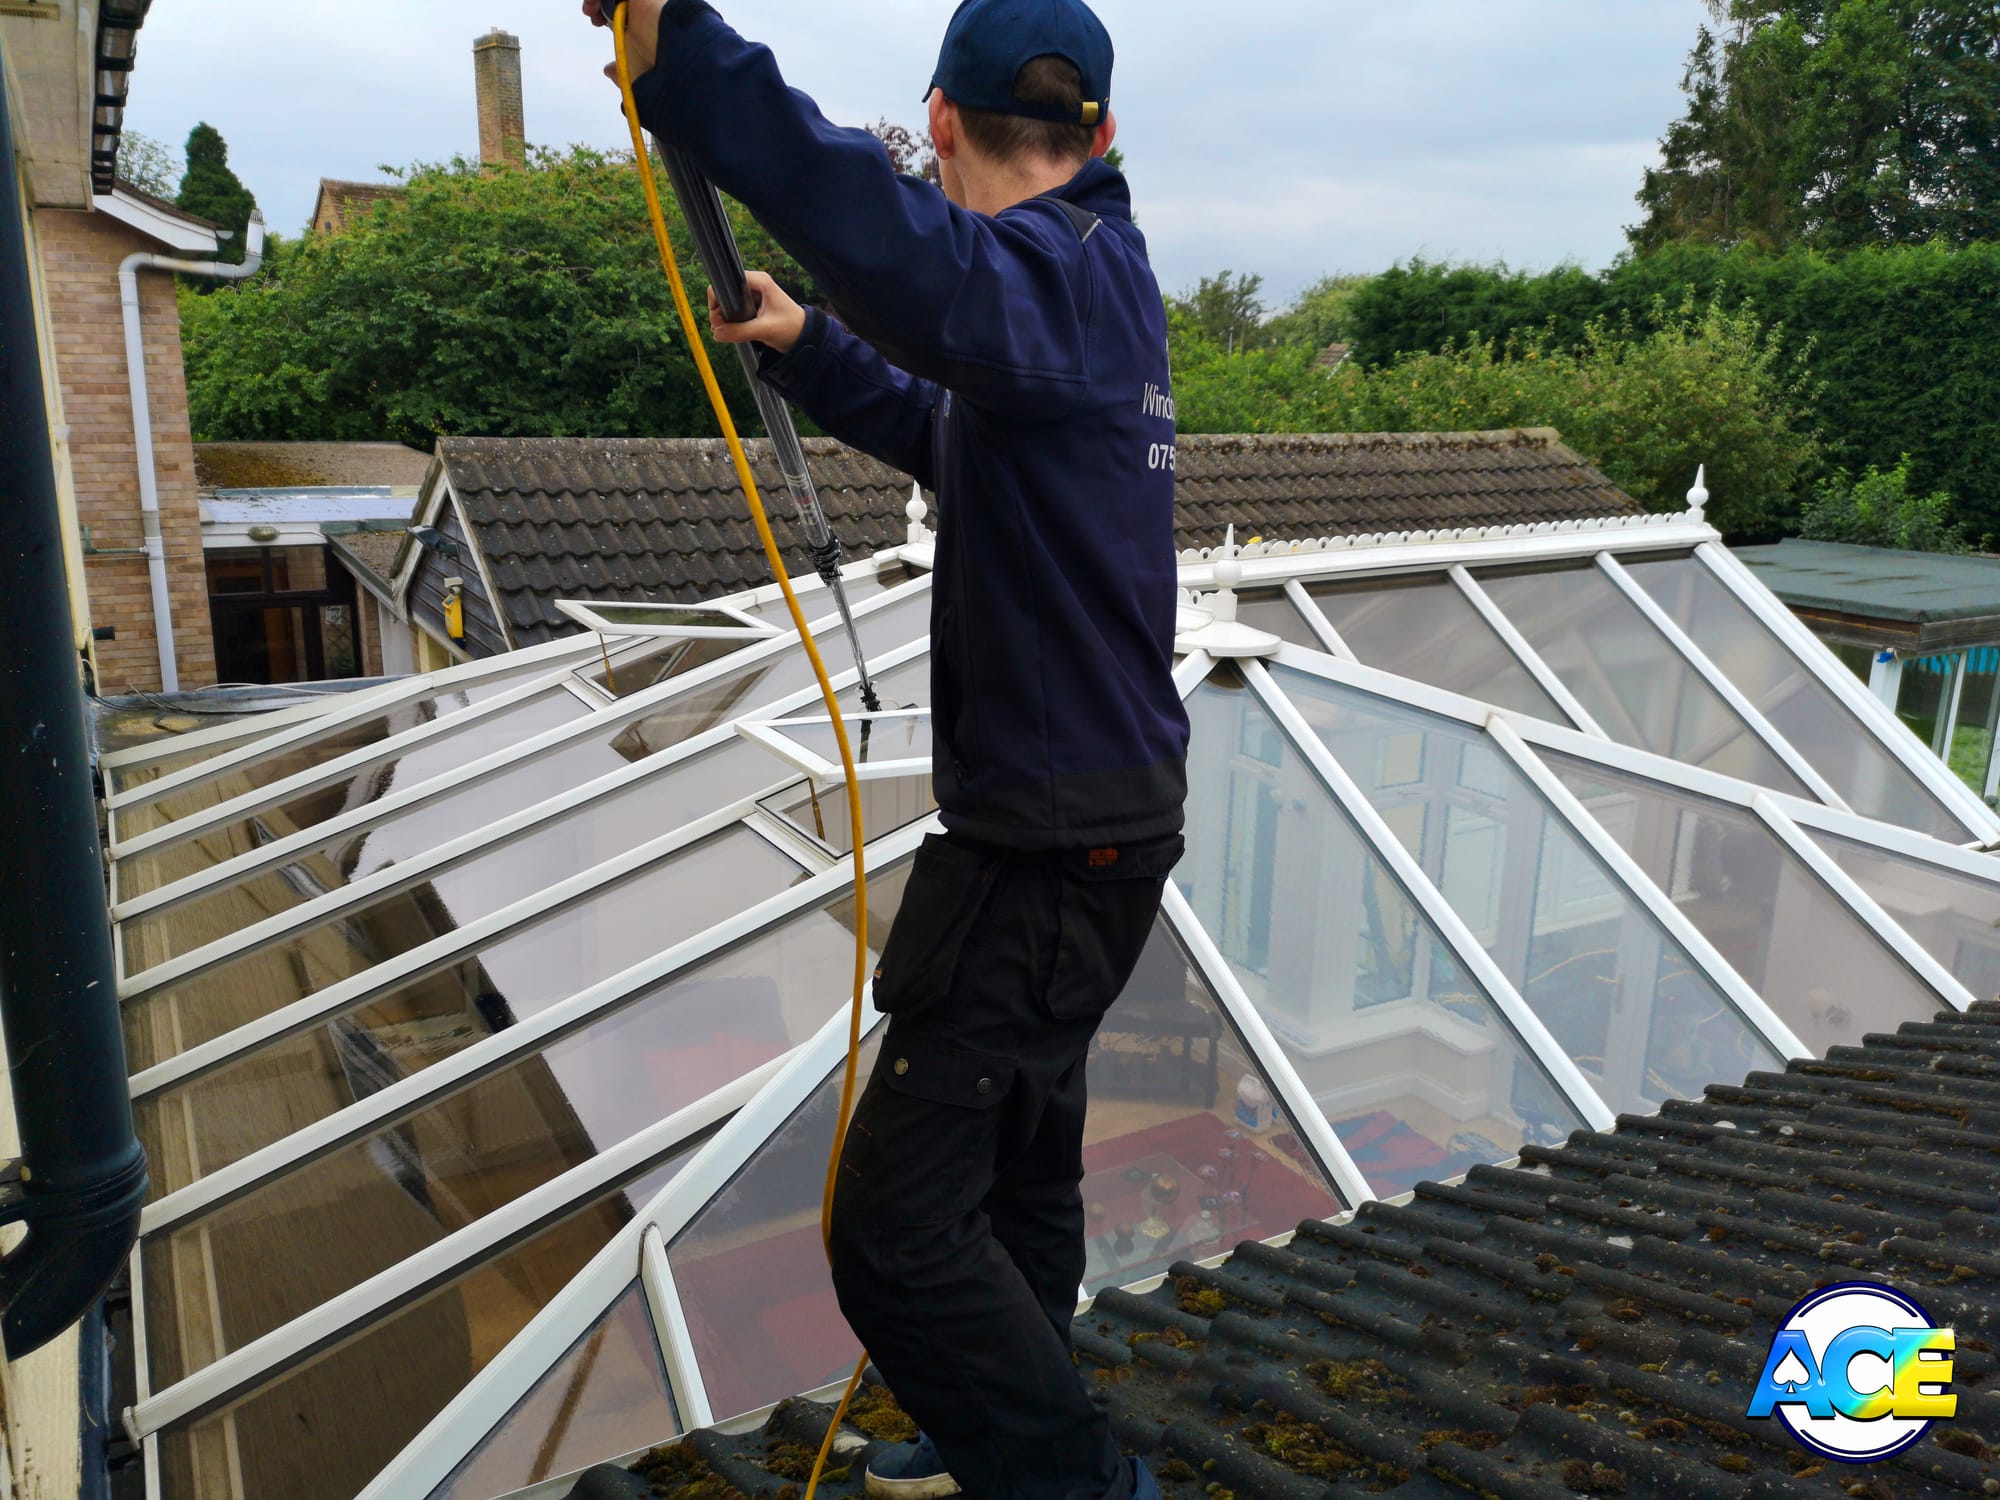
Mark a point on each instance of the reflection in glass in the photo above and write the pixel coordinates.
(1953, 916)
(325, 1429)
(1626, 1003)
(1794, 942)
(887, 803)
(873, 741)
(1799, 706)
(1641, 691)
(264, 1258)
(1423, 627)
(606, 1398)
(265, 1095)
(1413, 1065)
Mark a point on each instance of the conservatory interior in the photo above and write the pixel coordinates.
(486, 1025)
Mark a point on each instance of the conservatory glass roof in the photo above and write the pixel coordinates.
(485, 1025)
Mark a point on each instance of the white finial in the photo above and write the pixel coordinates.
(1219, 634)
(916, 510)
(1228, 573)
(1698, 496)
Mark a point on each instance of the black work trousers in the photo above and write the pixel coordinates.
(958, 1219)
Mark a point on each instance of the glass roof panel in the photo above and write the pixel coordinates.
(1628, 676)
(244, 1106)
(324, 1429)
(1423, 627)
(1628, 1004)
(1794, 942)
(1413, 1065)
(125, 777)
(1955, 917)
(887, 803)
(606, 1398)
(873, 741)
(147, 944)
(1800, 707)
(1273, 610)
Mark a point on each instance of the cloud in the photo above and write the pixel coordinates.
(1290, 137)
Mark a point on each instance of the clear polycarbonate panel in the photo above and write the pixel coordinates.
(1273, 610)
(887, 803)
(1795, 943)
(275, 974)
(246, 1267)
(1800, 707)
(247, 1104)
(1626, 1002)
(1185, 1154)
(606, 1398)
(650, 664)
(1414, 1066)
(871, 741)
(1423, 627)
(154, 940)
(1953, 915)
(124, 778)
(1628, 676)
(323, 1430)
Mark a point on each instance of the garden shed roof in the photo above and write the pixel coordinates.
(1919, 602)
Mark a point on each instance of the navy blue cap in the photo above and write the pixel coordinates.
(990, 41)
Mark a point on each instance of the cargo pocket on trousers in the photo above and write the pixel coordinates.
(942, 899)
(1109, 900)
(925, 1140)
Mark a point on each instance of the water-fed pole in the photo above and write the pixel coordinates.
(715, 243)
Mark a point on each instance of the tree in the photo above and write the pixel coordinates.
(211, 191)
(147, 165)
(1834, 123)
(910, 151)
(509, 304)
(1321, 315)
(1227, 309)
(1878, 510)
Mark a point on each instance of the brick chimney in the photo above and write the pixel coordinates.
(496, 67)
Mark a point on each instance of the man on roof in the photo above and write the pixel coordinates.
(1003, 340)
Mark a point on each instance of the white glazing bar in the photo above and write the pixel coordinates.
(1189, 674)
(1306, 1115)
(1876, 718)
(1948, 730)
(419, 868)
(1709, 672)
(1913, 954)
(457, 1430)
(354, 1310)
(1460, 939)
(670, 1326)
(407, 1095)
(364, 705)
(1524, 652)
(1317, 622)
(627, 710)
(137, 757)
(135, 1281)
(427, 958)
(149, 1450)
(1626, 872)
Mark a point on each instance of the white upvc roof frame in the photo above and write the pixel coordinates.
(730, 624)
(770, 735)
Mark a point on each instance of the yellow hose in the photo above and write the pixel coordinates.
(762, 522)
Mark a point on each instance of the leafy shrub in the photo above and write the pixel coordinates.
(1878, 510)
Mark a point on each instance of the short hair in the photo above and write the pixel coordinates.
(1049, 80)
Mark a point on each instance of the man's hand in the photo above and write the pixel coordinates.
(776, 324)
(642, 33)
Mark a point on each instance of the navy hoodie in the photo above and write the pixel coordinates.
(1016, 365)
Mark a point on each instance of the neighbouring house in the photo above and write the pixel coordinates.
(1921, 628)
(487, 1026)
(514, 524)
(340, 204)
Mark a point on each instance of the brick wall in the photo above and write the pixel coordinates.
(80, 255)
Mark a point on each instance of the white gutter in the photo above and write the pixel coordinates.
(142, 420)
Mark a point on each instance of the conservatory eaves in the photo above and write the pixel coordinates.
(487, 1015)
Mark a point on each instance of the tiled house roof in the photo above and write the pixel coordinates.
(649, 519)
(1590, 1323)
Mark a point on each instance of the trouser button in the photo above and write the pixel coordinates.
(985, 1085)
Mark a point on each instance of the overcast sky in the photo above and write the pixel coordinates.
(1288, 137)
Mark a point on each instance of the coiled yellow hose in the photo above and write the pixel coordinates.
(650, 183)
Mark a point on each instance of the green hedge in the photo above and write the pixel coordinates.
(1904, 342)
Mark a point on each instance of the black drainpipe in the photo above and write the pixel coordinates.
(81, 1179)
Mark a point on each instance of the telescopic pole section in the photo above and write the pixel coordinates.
(715, 243)
(81, 1178)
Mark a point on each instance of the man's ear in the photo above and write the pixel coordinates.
(944, 126)
(1107, 132)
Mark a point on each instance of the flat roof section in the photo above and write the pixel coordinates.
(1916, 601)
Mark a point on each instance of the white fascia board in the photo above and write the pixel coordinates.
(1443, 917)
(410, 1094)
(1812, 656)
(352, 1311)
(175, 231)
(1267, 563)
(431, 501)
(218, 536)
(609, 716)
(471, 545)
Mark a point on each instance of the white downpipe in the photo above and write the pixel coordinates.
(142, 420)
